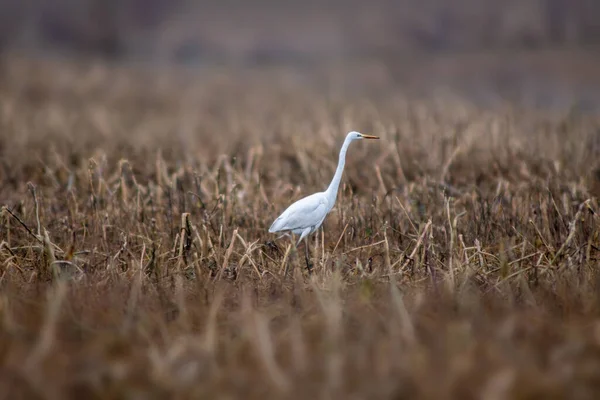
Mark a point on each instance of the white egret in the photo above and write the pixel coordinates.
(306, 215)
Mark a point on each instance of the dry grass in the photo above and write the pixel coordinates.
(460, 261)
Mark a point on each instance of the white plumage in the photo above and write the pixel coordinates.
(306, 215)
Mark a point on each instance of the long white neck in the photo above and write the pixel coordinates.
(332, 190)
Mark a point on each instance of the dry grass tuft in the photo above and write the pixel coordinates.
(460, 262)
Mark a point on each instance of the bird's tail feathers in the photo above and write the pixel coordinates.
(275, 226)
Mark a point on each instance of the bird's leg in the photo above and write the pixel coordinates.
(309, 265)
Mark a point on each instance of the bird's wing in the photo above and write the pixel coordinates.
(304, 213)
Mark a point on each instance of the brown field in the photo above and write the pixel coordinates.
(460, 261)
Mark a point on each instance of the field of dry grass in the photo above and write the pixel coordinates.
(461, 260)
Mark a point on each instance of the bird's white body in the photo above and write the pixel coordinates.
(306, 215)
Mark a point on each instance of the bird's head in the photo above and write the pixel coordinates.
(357, 136)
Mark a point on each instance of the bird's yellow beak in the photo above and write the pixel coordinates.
(369, 137)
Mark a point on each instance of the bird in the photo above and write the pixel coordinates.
(306, 215)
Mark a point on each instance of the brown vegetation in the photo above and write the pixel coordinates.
(460, 261)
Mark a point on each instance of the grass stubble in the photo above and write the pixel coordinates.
(460, 260)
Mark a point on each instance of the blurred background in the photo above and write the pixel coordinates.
(537, 52)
